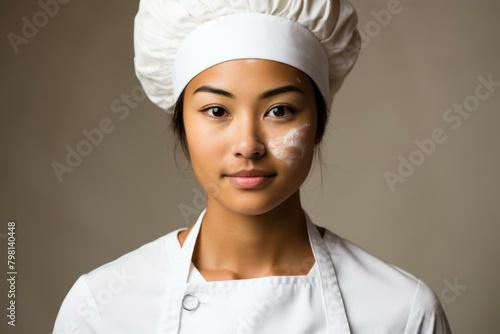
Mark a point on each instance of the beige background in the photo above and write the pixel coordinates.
(441, 224)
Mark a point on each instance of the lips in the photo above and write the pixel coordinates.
(250, 179)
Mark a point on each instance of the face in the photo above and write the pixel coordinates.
(250, 129)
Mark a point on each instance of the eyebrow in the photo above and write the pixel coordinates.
(213, 90)
(280, 90)
(265, 95)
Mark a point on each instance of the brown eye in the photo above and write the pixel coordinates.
(215, 112)
(280, 111)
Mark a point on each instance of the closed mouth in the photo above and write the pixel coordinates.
(250, 179)
(250, 173)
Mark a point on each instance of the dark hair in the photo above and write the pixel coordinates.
(177, 123)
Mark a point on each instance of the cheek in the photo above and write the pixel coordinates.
(292, 147)
(203, 151)
(200, 144)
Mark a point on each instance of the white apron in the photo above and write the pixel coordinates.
(277, 304)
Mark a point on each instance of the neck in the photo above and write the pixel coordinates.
(232, 245)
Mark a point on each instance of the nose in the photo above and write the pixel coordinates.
(247, 140)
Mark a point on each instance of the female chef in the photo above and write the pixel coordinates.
(249, 84)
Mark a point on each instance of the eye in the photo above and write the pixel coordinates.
(215, 111)
(280, 111)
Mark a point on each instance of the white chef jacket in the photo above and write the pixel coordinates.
(156, 289)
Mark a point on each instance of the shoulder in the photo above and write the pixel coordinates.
(133, 284)
(149, 260)
(373, 289)
(360, 266)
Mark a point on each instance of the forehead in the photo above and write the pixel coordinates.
(248, 73)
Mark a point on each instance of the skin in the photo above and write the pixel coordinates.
(231, 113)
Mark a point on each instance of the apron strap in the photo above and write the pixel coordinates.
(176, 289)
(334, 304)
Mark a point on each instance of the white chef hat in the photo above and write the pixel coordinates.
(177, 39)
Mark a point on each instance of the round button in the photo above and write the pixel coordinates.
(190, 302)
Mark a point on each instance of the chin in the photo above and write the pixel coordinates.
(250, 209)
(251, 205)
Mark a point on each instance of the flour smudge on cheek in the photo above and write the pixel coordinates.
(292, 146)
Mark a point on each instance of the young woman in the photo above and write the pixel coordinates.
(249, 83)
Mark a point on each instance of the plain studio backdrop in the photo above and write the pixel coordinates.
(411, 157)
